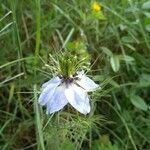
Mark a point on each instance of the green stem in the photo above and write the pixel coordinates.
(125, 124)
(38, 122)
(20, 54)
(38, 34)
(39, 133)
(17, 42)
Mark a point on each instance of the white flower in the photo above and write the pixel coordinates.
(59, 91)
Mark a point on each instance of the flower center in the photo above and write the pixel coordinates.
(67, 80)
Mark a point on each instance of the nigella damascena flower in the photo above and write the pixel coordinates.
(59, 91)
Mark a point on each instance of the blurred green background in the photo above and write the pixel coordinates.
(116, 41)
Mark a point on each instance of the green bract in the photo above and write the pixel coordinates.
(69, 64)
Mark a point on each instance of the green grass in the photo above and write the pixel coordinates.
(118, 48)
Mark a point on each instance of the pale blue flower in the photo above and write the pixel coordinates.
(59, 91)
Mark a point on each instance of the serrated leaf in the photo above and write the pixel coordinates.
(115, 62)
(138, 102)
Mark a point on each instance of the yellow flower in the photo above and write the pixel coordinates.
(96, 7)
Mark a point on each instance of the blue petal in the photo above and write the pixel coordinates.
(58, 101)
(47, 92)
(52, 81)
(86, 83)
(78, 98)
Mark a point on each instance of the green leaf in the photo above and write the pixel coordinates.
(115, 62)
(127, 39)
(107, 51)
(144, 80)
(138, 102)
(130, 46)
(147, 14)
(114, 83)
(67, 145)
(104, 144)
(147, 27)
(146, 5)
(98, 15)
(146, 21)
(126, 58)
